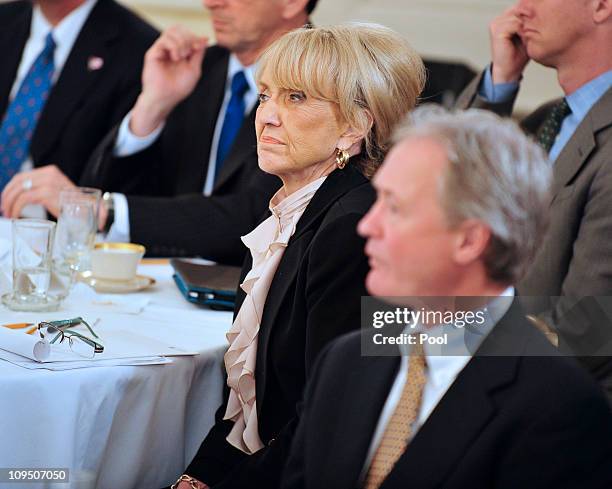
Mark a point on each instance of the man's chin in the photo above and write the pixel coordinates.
(540, 56)
(376, 284)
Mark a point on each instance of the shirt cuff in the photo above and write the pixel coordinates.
(496, 93)
(119, 232)
(128, 143)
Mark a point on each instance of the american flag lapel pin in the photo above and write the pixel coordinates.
(94, 63)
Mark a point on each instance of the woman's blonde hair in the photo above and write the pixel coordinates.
(369, 70)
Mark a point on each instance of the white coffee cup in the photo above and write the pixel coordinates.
(116, 261)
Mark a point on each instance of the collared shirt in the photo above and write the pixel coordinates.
(580, 101)
(65, 34)
(127, 144)
(442, 368)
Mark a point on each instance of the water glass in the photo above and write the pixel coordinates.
(32, 253)
(76, 228)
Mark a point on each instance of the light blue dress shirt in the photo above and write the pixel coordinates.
(580, 101)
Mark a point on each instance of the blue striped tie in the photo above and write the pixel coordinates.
(234, 116)
(20, 119)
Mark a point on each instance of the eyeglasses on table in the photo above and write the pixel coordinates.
(56, 332)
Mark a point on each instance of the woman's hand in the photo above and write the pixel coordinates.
(187, 482)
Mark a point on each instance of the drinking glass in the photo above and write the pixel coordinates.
(76, 228)
(32, 252)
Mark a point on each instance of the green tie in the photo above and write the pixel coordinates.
(552, 125)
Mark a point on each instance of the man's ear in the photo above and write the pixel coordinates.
(292, 8)
(602, 11)
(473, 237)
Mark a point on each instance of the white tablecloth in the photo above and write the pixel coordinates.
(118, 427)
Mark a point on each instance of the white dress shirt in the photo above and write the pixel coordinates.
(64, 35)
(442, 369)
(128, 144)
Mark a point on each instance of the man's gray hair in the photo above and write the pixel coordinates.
(497, 175)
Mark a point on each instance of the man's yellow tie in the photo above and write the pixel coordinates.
(399, 429)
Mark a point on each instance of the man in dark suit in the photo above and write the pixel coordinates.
(461, 199)
(185, 196)
(575, 260)
(88, 55)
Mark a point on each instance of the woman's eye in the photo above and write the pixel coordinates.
(297, 96)
(263, 97)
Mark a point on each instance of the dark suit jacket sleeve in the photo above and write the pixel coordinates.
(135, 174)
(195, 225)
(469, 99)
(121, 174)
(333, 297)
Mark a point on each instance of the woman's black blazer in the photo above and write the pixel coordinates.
(314, 297)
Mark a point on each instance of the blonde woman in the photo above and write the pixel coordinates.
(329, 99)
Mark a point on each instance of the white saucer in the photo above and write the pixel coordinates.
(51, 303)
(106, 286)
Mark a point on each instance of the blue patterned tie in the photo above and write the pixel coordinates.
(234, 116)
(22, 114)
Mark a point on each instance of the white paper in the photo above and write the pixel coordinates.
(118, 345)
(33, 365)
(126, 344)
(29, 346)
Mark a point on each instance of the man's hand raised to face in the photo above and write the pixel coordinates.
(172, 67)
(508, 51)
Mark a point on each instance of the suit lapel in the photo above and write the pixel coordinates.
(244, 145)
(76, 79)
(582, 143)
(13, 38)
(337, 184)
(365, 394)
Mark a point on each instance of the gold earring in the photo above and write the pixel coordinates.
(342, 157)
